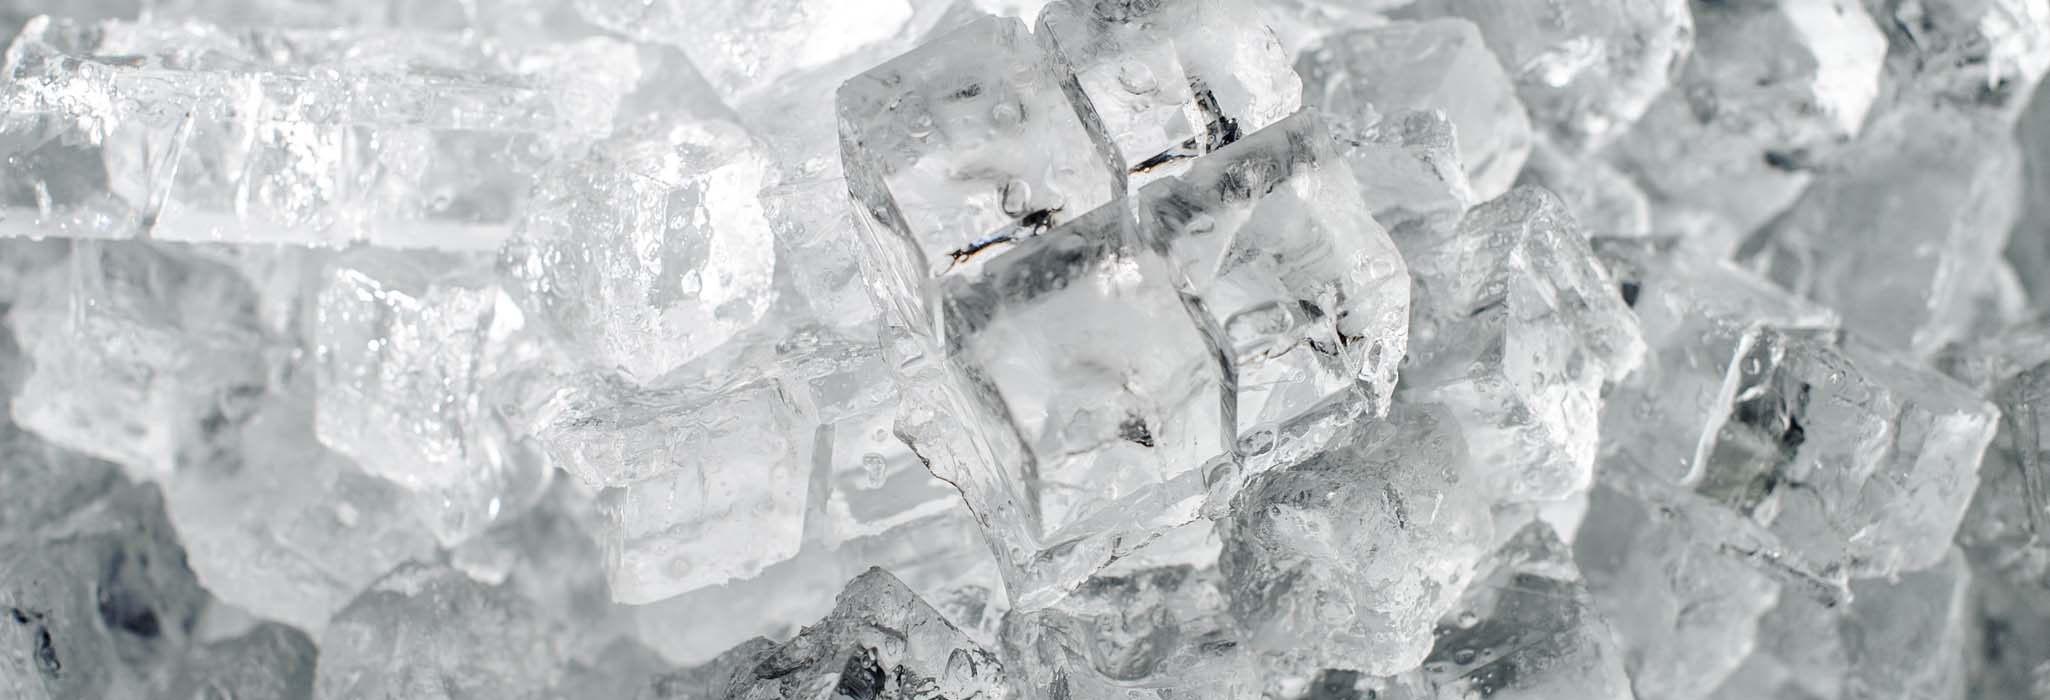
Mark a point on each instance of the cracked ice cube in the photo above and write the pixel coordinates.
(1587, 69)
(188, 131)
(964, 146)
(744, 46)
(1440, 64)
(426, 630)
(1311, 295)
(1409, 171)
(269, 661)
(1974, 54)
(1517, 329)
(2010, 514)
(1345, 560)
(1527, 630)
(1095, 402)
(1694, 310)
(145, 356)
(1769, 89)
(1159, 631)
(1171, 80)
(650, 252)
(1859, 462)
(1928, 196)
(406, 346)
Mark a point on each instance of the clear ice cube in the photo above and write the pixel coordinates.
(745, 46)
(428, 631)
(1409, 171)
(1441, 64)
(1974, 54)
(964, 146)
(1162, 632)
(1346, 560)
(1311, 295)
(1171, 80)
(189, 131)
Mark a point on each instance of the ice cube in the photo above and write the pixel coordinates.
(881, 640)
(188, 131)
(269, 661)
(145, 356)
(287, 529)
(745, 47)
(1685, 614)
(1517, 328)
(1770, 88)
(963, 147)
(650, 252)
(1605, 200)
(1975, 54)
(1527, 630)
(426, 630)
(1172, 80)
(712, 679)
(2009, 517)
(406, 346)
(2029, 247)
(1097, 402)
(1859, 462)
(1346, 560)
(1928, 195)
(1587, 69)
(1694, 310)
(1440, 64)
(1311, 295)
(1409, 171)
(1157, 632)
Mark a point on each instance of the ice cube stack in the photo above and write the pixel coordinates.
(1084, 349)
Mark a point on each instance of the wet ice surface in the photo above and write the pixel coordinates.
(1086, 349)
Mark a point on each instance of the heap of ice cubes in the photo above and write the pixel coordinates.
(1070, 350)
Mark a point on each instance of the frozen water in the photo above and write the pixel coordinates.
(744, 46)
(1347, 559)
(964, 146)
(189, 131)
(1977, 54)
(1098, 401)
(1311, 295)
(1409, 172)
(1161, 632)
(1601, 197)
(1770, 88)
(1587, 69)
(269, 661)
(1440, 64)
(428, 631)
(1171, 80)
(1517, 328)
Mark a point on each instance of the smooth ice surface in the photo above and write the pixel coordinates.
(190, 131)
(962, 147)
(1347, 559)
(1517, 328)
(1171, 80)
(1770, 87)
(1311, 295)
(1440, 64)
(1098, 402)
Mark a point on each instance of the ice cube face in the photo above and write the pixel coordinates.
(1160, 630)
(652, 251)
(144, 356)
(1101, 399)
(965, 145)
(1878, 446)
(187, 131)
(1440, 64)
(1171, 80)
(1694, 313)
(744, 47)
(429, 626)
(1311, 295)
(1346, 560)
(1517, 329)
(1410, 172)
(1768, 87)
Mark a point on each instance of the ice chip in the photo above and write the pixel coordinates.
(1162, 631)
(426, 630)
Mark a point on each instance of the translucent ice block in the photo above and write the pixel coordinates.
(428, 630)
(1157, 632)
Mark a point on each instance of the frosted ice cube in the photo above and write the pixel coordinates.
(964, 146)
(1517, 329)
(1311, 295)
(1975, 54)
(269, 661)
(1161, 632)
(1859, 462)
(1770, 87)
(1095, 401)
(1587, 69)
(406, 346)
(145, 356)
(1346, 560)
(745, 46)
(1605, 200)
(1409, 171)
(426, 630)
(1928, 195)
(650, 252)
(188, 131)
(1441, 64)
(1171, 80)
